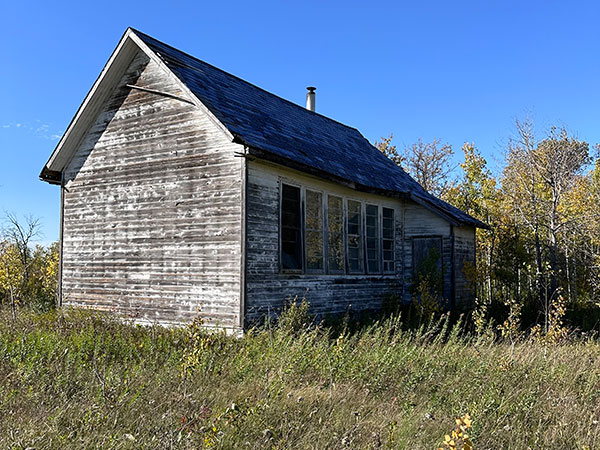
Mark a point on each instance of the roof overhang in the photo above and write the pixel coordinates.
(292, 164)
(51, 176)
(90, 108)
(104, 86)
(305, 168)
(450, 219)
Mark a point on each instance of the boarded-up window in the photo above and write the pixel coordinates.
(291, 242)
(335, 229)
(427, 258)
(314, 231)
(355, 260)
(372, 237)
(387, 231)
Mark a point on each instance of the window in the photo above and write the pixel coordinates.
(335, 232)
(336, 235)
(291, 236)
(388, 240)
(355, 260)
(314, 231)
(372, 237)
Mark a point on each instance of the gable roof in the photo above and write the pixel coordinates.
(276, 129)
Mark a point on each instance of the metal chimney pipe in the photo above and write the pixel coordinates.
(310, 98)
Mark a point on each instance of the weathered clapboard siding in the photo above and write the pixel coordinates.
(267, 288)
(464, 256)
(153, 209)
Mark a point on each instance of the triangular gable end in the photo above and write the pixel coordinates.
(102, 89)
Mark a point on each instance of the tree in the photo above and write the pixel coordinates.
(390, 150)
(17, 258)
(477, 194)
(581, 236)
(428, 163)
(21, 235)
(538, 178)
(543, 247)
(11, 273)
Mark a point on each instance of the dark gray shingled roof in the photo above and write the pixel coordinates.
(285, 132)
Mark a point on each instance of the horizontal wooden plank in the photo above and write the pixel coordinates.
(152, 210)
(268, 289)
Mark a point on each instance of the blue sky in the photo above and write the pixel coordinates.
(458, 71)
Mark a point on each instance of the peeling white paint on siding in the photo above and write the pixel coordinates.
(152, 211)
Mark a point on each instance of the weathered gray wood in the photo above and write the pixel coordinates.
(153, 208)
(100, 91)
(421, 222)
(268, 288)
(59, 290)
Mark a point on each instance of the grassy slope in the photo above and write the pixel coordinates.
(79, 381)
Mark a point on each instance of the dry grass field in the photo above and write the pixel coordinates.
(71, 379)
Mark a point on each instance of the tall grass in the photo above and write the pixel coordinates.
(78, 380)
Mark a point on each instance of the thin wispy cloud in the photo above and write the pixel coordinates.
(38, 128)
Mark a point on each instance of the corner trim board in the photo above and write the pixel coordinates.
(59, 292)
(244, 230)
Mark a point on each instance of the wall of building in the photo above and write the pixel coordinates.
(420, 222)
(153, 209)
(458, 253)
(268, 288)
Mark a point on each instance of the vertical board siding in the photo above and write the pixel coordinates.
(152, 209)
(268, 289)
(464, 255)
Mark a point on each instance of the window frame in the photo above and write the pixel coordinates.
(344, 235)
(392, 239)
(280, 229)
(361, 232)
(329, 270)
(378, 238)
(322, 270)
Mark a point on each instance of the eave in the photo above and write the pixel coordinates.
(292, 164)
(102, 89)
(89, 109)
